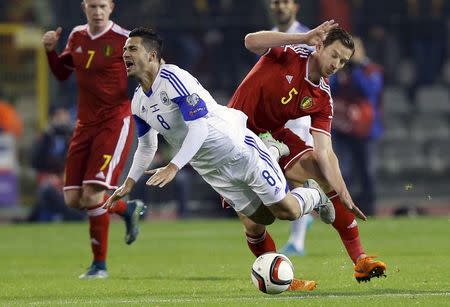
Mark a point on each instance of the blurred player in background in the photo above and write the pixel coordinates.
(103, 132)
(287, 83)
(48, 158)
(285, 13)
(212, 138)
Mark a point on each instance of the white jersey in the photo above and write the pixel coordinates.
(176, 98)
(300, 126)
(212, 138)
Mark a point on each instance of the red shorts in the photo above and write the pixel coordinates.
(97, 154)
(297, 147)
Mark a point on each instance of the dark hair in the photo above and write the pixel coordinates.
(150, 39)
(339, 34)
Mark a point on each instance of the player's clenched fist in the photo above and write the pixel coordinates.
(50, 39)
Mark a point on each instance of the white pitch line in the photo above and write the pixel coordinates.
(229, 299)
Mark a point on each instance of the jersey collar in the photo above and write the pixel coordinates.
(307, 74)
(149, 93)
(108, 27)
(155, 83)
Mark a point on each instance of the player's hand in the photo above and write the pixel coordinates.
(348, 202)
(317, 35)
(51, 38)
(121, 191)
(162, 176)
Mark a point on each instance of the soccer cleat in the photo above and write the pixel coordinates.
(302, 285)
(367, 268)
(135, 209)
(269, 141)
(94, 273)
(290, 250)
(325, 208)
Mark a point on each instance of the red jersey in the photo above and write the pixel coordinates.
(100, 71)
(277, 89)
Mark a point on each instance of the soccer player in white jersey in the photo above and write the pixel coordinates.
(212, 138)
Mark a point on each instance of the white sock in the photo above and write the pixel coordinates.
(307, 198)
(298, 232)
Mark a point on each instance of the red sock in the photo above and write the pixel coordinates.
(98, 229)
(119, 208)
(346, 226)
(261, 244)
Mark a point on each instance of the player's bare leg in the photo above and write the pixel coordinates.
(296, 243)
(72, 198)
(262, 216)
(303, 200)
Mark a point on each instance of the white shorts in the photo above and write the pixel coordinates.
(251, 178)
(300, 127)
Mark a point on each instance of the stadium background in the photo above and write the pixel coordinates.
(206, 38)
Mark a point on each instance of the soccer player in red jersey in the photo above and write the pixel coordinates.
(103, 133)
(289, 82)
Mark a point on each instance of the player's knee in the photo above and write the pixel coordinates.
(91, 196)
(291, 213)
(72, 202)
(262, 216)
(88, 200)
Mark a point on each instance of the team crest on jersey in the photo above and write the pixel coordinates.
(108, 50)
(164, 98)
(306, 103)
(193, 99)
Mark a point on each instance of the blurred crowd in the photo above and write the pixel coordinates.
(206, 36)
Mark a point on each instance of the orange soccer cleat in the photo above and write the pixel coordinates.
(367, 267)
(302, 285)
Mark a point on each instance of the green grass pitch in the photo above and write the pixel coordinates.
(206, 262)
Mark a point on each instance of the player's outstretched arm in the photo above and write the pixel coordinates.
(196, 136)
(329, 165)
(259, 42)
(121, 191)
(163, 175)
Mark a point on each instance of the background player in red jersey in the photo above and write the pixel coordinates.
(103, 133)
(287, 83)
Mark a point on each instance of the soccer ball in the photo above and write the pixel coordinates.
(272, 273)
